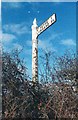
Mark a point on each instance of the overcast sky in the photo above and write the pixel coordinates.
(17, 19)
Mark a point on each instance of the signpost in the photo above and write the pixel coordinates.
(36, 31)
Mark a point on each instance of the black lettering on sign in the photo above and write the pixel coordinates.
(44, 26)
(52, 20)
(41, 28)
(46, 23)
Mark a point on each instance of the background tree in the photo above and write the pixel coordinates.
(21, 98)
(55, 96)
(14, 89)
(63, 83)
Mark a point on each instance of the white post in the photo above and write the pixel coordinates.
(36, 31)
(34, 52)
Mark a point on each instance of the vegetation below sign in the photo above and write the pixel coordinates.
(55, 96)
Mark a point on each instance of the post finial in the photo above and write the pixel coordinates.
(35, 22)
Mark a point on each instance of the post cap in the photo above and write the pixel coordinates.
(35, 22)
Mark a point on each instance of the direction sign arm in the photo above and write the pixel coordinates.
(46, 24)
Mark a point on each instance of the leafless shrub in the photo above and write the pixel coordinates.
(55, 96)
